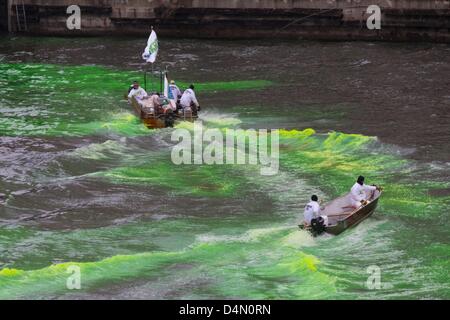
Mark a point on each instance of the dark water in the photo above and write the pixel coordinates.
(84, 183)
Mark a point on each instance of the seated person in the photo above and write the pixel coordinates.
(170, 107)
(312, 211)
(359, 193)
(162, 104)
(137, 92)
(167, 105)
(155, 102)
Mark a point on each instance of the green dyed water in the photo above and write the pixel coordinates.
(84, 183)
(75, 102)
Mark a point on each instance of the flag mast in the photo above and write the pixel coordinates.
(150, 54)
(153, 67)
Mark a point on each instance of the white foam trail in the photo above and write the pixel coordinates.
(252, 235)
(212, 118)
(298, 239)
(99, 151)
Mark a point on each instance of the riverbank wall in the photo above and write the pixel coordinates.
(400, 20)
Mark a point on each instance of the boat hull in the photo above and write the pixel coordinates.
(160, 121)
(354, 219)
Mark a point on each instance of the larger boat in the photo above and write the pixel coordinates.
(157, 117)
(342, 216)
(160, 110)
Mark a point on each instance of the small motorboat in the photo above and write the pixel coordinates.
(157, 117)
(343, 216)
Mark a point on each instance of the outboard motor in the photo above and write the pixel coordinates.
(169, 120)
(318, 226)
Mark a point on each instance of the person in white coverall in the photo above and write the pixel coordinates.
(360, 193)
(137, 92)
(176, 92)
(188, 99)
(312, 211)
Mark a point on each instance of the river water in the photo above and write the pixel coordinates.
(83, 183)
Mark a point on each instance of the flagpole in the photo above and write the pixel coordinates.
(145, 79)
(149, 55)
(153, 75)
(160, 81)
(153, 65)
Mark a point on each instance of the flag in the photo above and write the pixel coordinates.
(167, 91)
(151, 51)
(169, 94)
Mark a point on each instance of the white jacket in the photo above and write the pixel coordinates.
(176, 92)
(359, 192)
(188, 98)
(138, 93)
(312, 210)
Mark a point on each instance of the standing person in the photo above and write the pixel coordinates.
(312, 211)
(359, 196)
(176, 92)
(189, 99)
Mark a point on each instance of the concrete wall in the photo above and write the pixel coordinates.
(313, 4)
(407, 20)
(4, 15)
